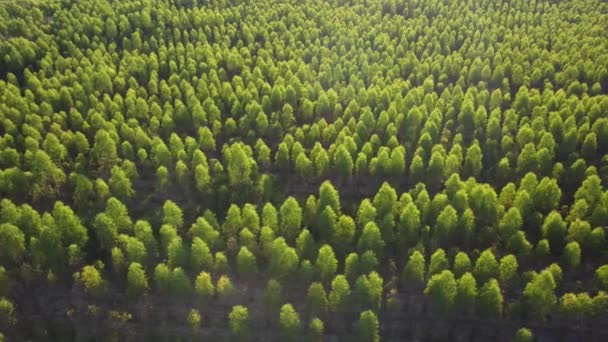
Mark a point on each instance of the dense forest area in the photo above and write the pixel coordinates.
(414, 170)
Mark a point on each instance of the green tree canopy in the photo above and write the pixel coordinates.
(490, 299)
(13, 240)
(317, 299)
(414, 269)
(289, 321)
(439, 262)
(486, 266)
(539, 294)
(466, 294)
(326, 263)
(291, 218)
(137, 281)
(246, 264)
(368, 327)
(239, 320)
(340, 293)
(442, 288)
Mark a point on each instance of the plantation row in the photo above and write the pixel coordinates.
(198, 149)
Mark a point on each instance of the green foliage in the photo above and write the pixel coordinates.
(316, 297)
(508, 269)
(576, 305)
(327, 222)
(344, 234)
(91, 280)
(225, 289)
(601, 277)
(273, 295)
(246, 264)
(203, 287)
(120, 214)
(316, 328)
(572, 255)
(70, 225)
(486, 266)
(409, 224)
(194, 319)
(328, 196)
(371, 239)
(162, 278)
(343, 162)
(7, 312)
(284, 260)
(351, 266)
(442, 288)
(289, 321)
(462, 264)
(557, 273)
(326, 263)
(368, 262)
(414, 269)
(445, 225)
(340, 293)
(490, 300)
(239, 320)
(368, 327)
(385, 200)
(368, 289)
(104, 150)
(439, 262)
(305, 244)
(554, 230)
(180, 283)
(510, 223)
(539, 294)
(219, 111)
(466, 294)
(137, 281)
(291, 219)
(13, 242)
(523, 335)
(519, 245)
(205, 231)
(200, 255)
(177, 254)
(547, 195)
(120, 184)
(172, 214)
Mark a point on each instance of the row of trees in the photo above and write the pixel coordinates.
(454, 217)
(360, 243)
(367, 326)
